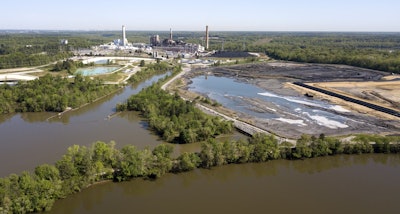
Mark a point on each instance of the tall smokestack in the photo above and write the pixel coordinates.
(170, 34)
(123, 36)
(207, 37)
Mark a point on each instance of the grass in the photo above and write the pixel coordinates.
(113, 77)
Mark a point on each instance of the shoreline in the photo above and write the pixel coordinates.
(77, 108)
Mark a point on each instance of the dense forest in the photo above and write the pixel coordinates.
(374, 51)
(380, 51)
(26, 50)
(50, 93)
(174, 119)
(82, 166)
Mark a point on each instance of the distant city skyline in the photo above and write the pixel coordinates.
(223, 15)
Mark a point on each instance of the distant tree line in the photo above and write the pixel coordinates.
(33, 49)
(29, 50)
(82, 166)
(49, 93)
(373, 51)
(26, 60)
(380, 51)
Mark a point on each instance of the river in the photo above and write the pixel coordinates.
(340, 184)
(29, 139)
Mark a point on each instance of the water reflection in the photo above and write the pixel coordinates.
(5, 118)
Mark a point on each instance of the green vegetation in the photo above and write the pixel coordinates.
(380, 51)
(24, 50)
(175, 120)
(50, 93)
(374, 51)
(152, 69)
(82, 166)
(69, 65)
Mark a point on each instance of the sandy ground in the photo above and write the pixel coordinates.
(385, 93)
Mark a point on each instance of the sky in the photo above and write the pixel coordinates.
(220, 15)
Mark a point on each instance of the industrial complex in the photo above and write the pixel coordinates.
(158, 47)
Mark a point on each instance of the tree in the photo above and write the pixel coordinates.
(187, 162)
(320, 148)
(104, 153)
(265, 148)
(207, 155)
(161, 162)
(303, 150)
(47, 172)
(142, 63)
(286, 150)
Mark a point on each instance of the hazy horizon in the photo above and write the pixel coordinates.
(253, 15)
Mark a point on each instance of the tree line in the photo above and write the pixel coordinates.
(82, 166)
(149, 70)
(30, 50)
(70, 66)
(373, 51)
(379, 51)
(52, 94)
(34, 49)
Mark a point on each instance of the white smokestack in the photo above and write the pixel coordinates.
(123, 36)
(207, 37)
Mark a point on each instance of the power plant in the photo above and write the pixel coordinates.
(170, 45)
(167, 47)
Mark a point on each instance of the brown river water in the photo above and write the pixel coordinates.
(30, 139)
(342, 184)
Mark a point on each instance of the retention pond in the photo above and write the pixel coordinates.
(283, 114)
(91, 71)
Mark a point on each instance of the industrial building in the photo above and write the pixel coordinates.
(175, 48)
(123, 44)
(159, 48)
